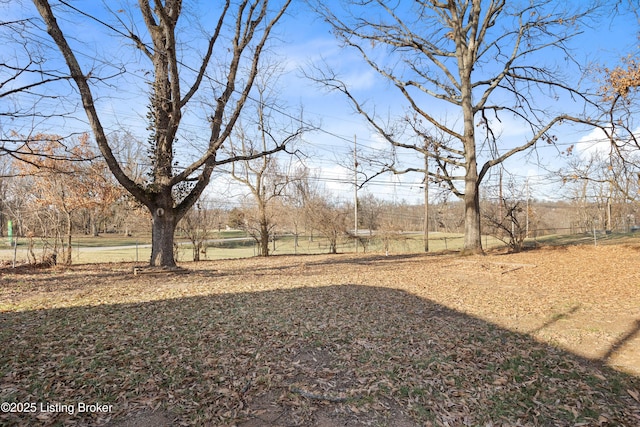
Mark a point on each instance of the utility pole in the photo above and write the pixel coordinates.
(426, 200)
(609, 226)
(501, 201)
(527, 211)
(355, 187)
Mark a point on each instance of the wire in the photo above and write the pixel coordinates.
(327, 178)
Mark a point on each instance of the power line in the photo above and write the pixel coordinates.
(344, 138)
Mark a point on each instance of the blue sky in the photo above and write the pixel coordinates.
(611, 38)
(304, 39)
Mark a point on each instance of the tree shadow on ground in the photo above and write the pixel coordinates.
(273, 265)
(585, 239)
(53, 279)
(337, 355)
(629, 336)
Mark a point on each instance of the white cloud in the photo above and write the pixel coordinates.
(595, 142)
(507, 127)
(337, 179)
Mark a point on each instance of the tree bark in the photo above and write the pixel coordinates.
(333, 244)
(472, 232)
(197, 246)
(472, 226)
(253, 25)
(162, 237)
(264, 236)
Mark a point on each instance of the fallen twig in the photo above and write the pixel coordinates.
(513, 269)
(159, 270)
(314, 396)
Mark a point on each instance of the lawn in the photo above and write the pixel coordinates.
(546, 337)
(110, 248)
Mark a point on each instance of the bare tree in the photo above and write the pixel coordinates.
(389, 230)
(604, 188)
(267, 182)
(620, 96)
(225, 73)
(370, 210)
(507, 214)
(304, 191)
(480, 60)
(66, 186)
(27, 76)
(266, 178)
(328, 219)
(198, 225)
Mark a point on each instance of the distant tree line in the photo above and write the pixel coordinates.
(479, 63)
(67, 191)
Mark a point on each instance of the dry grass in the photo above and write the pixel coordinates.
(128, 249)
(549, 337)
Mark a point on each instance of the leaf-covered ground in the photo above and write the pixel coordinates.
(546, 337)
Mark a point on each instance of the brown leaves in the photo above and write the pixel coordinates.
(620, 80)
(265, 342)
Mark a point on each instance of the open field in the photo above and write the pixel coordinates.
(235, 244)
(545, 337)
(132, 249)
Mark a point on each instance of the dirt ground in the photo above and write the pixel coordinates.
(582, 300)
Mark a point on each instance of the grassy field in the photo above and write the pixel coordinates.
(112, 248)
(109, 248)
(548, 337)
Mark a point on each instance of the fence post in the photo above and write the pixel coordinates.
(15, 251)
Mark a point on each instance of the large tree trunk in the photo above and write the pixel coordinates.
(472, 228)
(264, 238)
(472, 232)
(162, 238)
(264, 229)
